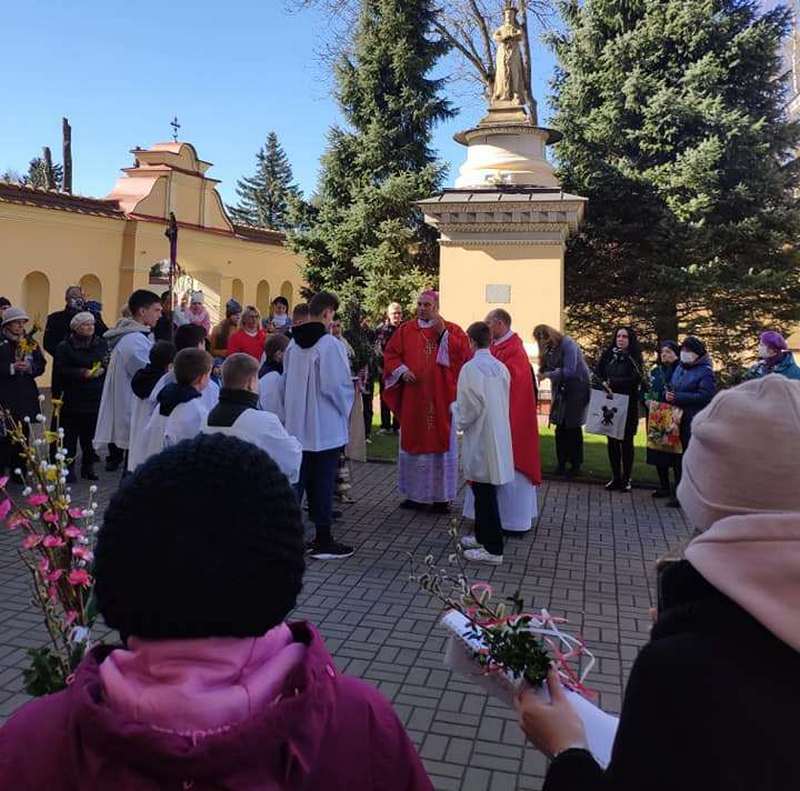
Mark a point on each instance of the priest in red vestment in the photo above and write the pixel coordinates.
(421, 364)
(516, 500)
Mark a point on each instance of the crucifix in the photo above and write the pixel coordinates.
(175, 127)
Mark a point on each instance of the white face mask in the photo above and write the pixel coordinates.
(764, 352)
(688, 357)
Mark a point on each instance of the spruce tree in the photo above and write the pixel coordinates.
(673, 114)
(363, 237)
(265, 196)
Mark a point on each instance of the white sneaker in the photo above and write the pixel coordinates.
(469, 541)
(480, 555)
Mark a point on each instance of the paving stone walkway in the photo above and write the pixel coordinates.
(590, 558)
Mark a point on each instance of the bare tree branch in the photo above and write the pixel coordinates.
(463, 49)
(486, 34)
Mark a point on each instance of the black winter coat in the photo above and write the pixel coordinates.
(57, 328)
(81, 395)
(624, 375)
(711, 704)
(18, 391)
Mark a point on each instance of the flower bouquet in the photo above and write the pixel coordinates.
(664, 427)
(56, 545)
(502, 648)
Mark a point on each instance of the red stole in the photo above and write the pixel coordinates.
(524, 424)
(423, 408)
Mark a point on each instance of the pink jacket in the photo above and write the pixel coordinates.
(242, 715)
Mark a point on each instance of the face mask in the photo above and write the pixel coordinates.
(688, 357)
(764, 352)
(280, 321)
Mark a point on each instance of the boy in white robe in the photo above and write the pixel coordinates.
(131, 353)
(482, 413)
(269, 377)
(238, 414)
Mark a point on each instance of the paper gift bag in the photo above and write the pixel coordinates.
(607, 414)
(664, 427)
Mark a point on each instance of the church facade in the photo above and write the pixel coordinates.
(50, 240)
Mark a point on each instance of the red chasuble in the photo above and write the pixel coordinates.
(423, 407)
(524, 425)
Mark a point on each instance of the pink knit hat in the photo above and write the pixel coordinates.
(743, 455)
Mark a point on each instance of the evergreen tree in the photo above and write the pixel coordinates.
(37, 174)
(673, 114)
(264, 197)
(363, 237)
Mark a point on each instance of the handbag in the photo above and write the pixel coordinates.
(608, 413)
(664, 427)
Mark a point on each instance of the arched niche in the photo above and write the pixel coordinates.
(237, 291)
(36, 297)
(287, 291)
(262, 298)
(92, 287)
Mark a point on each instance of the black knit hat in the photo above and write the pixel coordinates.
(694, 344)
(204, 540)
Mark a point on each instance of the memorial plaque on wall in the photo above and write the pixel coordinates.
(498, 293)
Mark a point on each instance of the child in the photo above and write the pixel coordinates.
(143, 383)
(271, 372)
(316, 394)
(238, 415)
(181, 403)
(482, 413)
(279, 320)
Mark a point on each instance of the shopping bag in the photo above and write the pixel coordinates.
(664, 427)
(607, 414)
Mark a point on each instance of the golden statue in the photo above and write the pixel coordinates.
(510, 82)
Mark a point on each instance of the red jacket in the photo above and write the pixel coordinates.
(253, 345)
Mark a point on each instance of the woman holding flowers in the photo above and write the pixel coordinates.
(21, 361)
(660, 380)
(80, 363)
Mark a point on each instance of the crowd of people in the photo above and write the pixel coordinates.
(242, 422)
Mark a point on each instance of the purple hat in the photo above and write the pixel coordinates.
(774, 340)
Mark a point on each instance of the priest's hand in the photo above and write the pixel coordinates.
(409, 377)
(552, 726)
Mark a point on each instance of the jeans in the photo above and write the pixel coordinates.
(620, 457)
(488, 528)
(318, 482)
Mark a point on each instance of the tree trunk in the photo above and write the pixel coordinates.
(666, 321)
(67, 155)
(47, 158)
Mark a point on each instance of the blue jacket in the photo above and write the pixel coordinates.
(694, 387)
(786, 367)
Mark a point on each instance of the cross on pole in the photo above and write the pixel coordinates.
(175, 127)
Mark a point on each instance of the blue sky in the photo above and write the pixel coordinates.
(231, 72)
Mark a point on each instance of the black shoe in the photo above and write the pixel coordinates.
(673, 503)
(332, 551)
(440, 508)
(88, 473)
(112, 465)
(614, 486)
(660, 494)
(626, 487)
(561, 470)
(574, 472)
(411, 505)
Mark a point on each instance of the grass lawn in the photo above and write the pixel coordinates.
(595, 464)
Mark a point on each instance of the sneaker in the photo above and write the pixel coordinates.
(383, 431)
(469, 542)
(626, 487)
(613, 486)
(480, 555)
(332, 551)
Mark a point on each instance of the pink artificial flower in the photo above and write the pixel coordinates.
(5, 508)
(18, 520)
(75, 513)
(53, 542)
(32, 541)
(3, 481)
(52, 593)
(79, 577)
(50, 516)
(70, 531)
(44, 566)
(54, 576)
(84, 553)
(37, 499)
(70, 616)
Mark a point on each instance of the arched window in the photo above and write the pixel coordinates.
(287, 291)
(262, 298)
(237, 291)
(92, 287)
(36, 297)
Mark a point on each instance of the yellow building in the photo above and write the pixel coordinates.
(51, 240)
